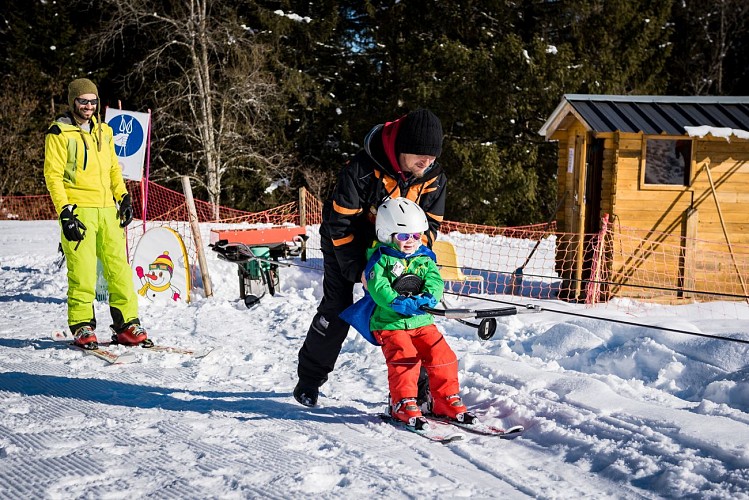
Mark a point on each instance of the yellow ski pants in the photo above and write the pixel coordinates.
(105, 239)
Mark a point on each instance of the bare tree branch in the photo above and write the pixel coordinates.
(214, 99)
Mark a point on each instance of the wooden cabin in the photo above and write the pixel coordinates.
(674, 172)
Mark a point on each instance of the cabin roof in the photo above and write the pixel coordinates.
(667, 115)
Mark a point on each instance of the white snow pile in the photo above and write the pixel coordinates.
(611, 410)
(724, 132)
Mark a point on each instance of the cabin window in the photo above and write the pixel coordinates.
(668, 162)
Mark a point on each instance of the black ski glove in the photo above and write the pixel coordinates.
(71, 226)
(126, 211)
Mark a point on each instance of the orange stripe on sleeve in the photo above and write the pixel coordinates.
(344, 240)
(346, 211)
(438, 218)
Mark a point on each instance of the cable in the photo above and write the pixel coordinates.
(611, 283)
(647, 287)
(610, 320)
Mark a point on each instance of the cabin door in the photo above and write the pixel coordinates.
(593, 186)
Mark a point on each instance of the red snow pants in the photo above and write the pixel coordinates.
(406, 350)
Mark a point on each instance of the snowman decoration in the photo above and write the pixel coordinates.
(158, 279)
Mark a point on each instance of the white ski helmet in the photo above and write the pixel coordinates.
(399, 215)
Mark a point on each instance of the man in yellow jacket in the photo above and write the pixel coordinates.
(84, 179)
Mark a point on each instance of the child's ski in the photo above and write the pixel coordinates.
(479, 428)
(438, 432)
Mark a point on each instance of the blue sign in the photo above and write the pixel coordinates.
(128, 135)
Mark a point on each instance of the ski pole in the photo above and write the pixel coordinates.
(517, 275)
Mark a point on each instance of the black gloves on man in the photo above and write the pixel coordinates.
(71, 226)
(126, 210)
(74, 230)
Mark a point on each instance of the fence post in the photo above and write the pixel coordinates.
(302, 206)
(195, 227)
(303, 218)
(689, 252)
(593, 293)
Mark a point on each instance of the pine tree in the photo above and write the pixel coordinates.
(38, 57)
(463, 61)
(711, 54)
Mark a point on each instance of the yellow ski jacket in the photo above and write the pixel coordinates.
(77, 169)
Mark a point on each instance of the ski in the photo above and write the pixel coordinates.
(168, 349)
(439, 432)
(110, 357)
(479, 427)
(62, 336)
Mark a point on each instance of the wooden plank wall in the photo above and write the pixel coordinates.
(659, 214)
(729, 166)
(663, 210)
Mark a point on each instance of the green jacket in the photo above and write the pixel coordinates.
(77, 170)
(379, 284)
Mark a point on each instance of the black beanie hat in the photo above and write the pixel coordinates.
(420, 134)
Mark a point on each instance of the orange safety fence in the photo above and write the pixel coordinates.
(664, 267)
(36, 207)
(619, 266)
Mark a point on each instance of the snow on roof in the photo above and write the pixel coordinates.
(725, 132)
(652, 115)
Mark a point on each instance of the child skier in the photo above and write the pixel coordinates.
(402, 277)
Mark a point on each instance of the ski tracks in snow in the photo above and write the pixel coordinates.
(597, 423)
(74, 427)
(226, 426)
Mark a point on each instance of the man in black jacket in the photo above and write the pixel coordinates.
(398, 160)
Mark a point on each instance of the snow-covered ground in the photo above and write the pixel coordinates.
(610, 410)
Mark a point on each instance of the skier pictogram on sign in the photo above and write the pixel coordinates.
(130, 129)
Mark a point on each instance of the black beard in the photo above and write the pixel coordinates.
(80, 117)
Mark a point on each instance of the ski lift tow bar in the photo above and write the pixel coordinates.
(488, 325)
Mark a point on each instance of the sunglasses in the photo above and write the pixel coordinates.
(83, 102)
(407, 236)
